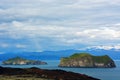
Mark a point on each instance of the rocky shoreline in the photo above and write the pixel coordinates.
(43, 73)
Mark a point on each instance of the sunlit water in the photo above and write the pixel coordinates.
(101, 73)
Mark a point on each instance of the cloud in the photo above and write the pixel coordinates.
(62, 36)
(71, 11)
(62, 25)
(22, 30)
(4, 45)
(20, 46)
(106, 47)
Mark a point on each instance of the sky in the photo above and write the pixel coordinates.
(43, 25)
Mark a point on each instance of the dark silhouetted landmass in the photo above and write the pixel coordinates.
(43, 73)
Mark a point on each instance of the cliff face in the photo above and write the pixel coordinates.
(22, 61)
(87, 60)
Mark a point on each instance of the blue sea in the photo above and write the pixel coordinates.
(101, 73)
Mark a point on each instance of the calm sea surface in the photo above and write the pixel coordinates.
(101, 73)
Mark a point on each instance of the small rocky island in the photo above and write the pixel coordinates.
(22, 61)
(86, 60)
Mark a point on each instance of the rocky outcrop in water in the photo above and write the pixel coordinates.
(87, 60)
(22, 61)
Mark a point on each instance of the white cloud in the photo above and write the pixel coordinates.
(71, 35)
(4, 45)
(20, 46)
(70, 23)
(106, 47)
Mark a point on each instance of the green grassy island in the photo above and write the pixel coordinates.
(87, 60)
(22, 61)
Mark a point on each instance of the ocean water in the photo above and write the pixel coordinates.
(101, 73)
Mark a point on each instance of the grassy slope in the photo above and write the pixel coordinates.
(16, 60)
(98, 59)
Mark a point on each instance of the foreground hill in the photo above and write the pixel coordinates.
(87, 60)
(37, 74)
(22, 61)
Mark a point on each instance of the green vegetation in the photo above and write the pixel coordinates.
(86, 60)
(80, 55)
(98, 59)
(20, 61)
(15, 60)
(76, 56)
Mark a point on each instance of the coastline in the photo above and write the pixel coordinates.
(102, 73)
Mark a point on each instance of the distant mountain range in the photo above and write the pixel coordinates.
(56, 55)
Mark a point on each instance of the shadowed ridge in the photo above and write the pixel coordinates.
(44, 73)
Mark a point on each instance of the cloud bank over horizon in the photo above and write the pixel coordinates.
(39, 25)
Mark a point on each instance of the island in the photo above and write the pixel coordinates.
(33, 73)
(86, 60)
(21, 61)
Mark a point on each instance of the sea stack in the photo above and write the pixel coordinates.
(86, 60)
